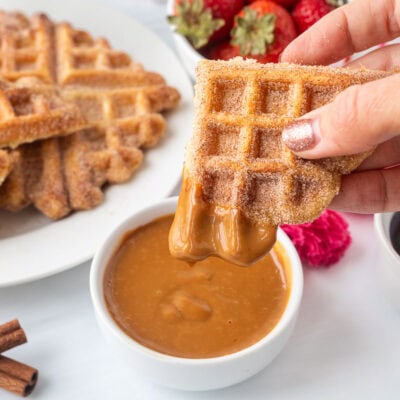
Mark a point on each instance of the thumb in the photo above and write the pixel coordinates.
(359, 118)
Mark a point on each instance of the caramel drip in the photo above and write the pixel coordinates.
(201, 230)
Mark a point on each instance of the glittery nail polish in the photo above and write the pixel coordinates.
(300, 135)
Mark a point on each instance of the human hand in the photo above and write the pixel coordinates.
(362, 116)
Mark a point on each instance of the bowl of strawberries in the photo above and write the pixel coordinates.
(224, 29)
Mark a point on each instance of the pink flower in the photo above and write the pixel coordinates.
(321, 242)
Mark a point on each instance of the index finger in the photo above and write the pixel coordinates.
(346, 30)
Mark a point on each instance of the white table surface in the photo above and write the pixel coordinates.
(346, 344)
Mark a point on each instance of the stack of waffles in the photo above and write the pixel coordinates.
(74, 115)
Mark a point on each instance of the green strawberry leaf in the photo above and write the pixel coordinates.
(195, 22)
(253, 32)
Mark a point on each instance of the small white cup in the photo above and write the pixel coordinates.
(388, 259)
(187, 53)
(186, 373)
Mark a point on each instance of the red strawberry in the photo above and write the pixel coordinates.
(226, 10)
(284, 3)
(307, 12)
(262, 30)
(223, 51)
(205, 21)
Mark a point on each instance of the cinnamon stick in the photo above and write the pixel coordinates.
(11, 335)
(17, 377)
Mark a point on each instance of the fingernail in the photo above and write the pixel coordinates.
(301, 135)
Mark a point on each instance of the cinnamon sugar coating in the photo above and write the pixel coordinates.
(31, 110)
(120, 100)
(236, 154)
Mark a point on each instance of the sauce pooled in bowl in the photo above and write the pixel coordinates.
(206, 309)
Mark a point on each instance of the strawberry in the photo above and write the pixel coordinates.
(225, 9)
(205, 21)
(284, 3)
(307, 12)
(223, 51)
(262, 30)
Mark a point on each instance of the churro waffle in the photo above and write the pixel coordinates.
(31, 111)
(237, 161)
(59, 54)
(64, 174)
(26, 49)
(120, 100)
(83, 60)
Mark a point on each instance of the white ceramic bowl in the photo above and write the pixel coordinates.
(184, 373)
(187, 53)
(388, 259)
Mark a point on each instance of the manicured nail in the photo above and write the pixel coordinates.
(301, 135)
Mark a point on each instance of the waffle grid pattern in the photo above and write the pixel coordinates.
(31, 112)
(125, 120)
(119, 99)
(239, 157)
(85, 60)
(25, 47)
(73, 169)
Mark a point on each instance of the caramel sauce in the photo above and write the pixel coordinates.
(206, 309)
(201, 230)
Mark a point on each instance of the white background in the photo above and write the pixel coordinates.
(346, 344)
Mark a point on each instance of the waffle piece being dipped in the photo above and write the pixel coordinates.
(239, 181)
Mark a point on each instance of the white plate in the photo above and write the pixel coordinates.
(31, 247)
